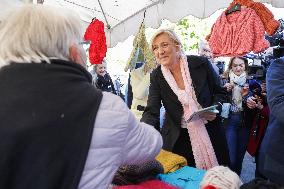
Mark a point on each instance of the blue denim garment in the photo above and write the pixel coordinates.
(237, 139)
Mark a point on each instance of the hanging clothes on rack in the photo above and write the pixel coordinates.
(140, 45)
(237, 34)
(98, 48)
(267, 18)
(140, 83)
(140, 78)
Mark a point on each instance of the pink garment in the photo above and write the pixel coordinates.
(237, 34)
(202, 148)
(151, 184)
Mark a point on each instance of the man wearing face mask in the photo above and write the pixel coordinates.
(56, 129)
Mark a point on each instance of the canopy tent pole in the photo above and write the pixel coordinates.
(108, 26)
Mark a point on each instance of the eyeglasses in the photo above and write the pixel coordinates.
(84, 42)
(83, 46)
(163, 46)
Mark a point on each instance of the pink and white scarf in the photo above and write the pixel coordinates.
(202, 148)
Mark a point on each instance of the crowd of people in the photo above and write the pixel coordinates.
(62, 128)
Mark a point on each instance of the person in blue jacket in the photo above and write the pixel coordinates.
(271, 159)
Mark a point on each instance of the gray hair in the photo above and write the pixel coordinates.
(171, 34)
(33, 33)
(202, 44)
(103, 63)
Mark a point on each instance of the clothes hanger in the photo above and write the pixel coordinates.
(236, 7)
(144, 15)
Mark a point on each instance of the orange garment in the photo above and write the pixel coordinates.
(237, 34)
(270, 24)
(265, 15)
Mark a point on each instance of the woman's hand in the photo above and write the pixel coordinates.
(209, 116)
(229, 86)
(251, 102)
(259, 105)
(245, 90)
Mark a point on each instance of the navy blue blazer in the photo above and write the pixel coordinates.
(208, 91)
(271, 159)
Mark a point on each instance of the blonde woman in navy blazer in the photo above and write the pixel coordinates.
(208, 92)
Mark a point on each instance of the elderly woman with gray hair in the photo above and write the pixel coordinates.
(184, 84)
(204, 50)
(56, 129)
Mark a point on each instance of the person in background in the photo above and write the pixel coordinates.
(204, 50)
(103, 80)
(260, 120)
(240, 118)
(184, 84)
(56, 129)
(270, 158)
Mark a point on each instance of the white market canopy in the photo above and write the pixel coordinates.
(125, 16)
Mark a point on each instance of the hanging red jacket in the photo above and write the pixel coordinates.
(98, 48)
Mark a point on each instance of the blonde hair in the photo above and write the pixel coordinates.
(171, 34)
(33, 33)
(226, 73)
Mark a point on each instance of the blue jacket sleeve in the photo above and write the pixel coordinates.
(275, 89)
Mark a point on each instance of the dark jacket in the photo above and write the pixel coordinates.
(271, 159)
(47, 117)
(247, 114)
(208, 91)
(105, 83)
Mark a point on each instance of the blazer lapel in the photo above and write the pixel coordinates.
(197, 74)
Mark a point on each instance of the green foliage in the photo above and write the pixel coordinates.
(191, 30)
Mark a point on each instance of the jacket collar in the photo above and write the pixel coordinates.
(194, 61)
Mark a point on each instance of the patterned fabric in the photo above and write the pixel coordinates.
(152, 184)
(186, 178)
(270, 24)
(133, 174)
(140, 44)
(202, 148)
(237, 34)
(238, 82)
(170, 161)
